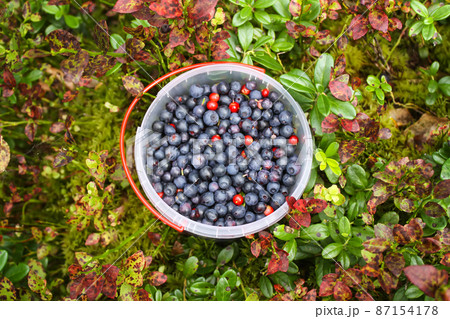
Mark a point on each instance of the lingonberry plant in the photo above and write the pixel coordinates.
(371, 76)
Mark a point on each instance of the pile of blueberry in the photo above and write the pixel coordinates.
(225, 154)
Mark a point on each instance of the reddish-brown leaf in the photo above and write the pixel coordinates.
(429, 246)
(342, 42)
(92, 239)
(376, 245)
(255, 248)
(88, 7)
(202, 11)
(311, 295)
(341, 292)
(295, 7)
(109, 289)
(111, 272)
(426, 277)
(8, 78)
(61, 39)
(63, 158)
(219, 46)
(315, 206)
(387, 281)
(330, 124)
(363, 296)
(327, 285)
(401, 235)
(300, 205)
(93, 285)
(58, 2)
(378, 20)
(339, 66)
(135, 262)
(128, 6)
(132, 85)
(291, 201)
(133, 46)
(350, 150)
(384, 134)
(75, 271)
(155, 238)
(178, 37)
(278, 262)
(156, 278)
(350, 125)
(352, 277)
(340, 90)
(384, 232)
(300, 219)
(169, 9)
(69, 96)
(142, 295)
(358, 27)
(442, 189)
(73, 67)
(356, 83)
(101, 35)
(294, 30)
(446, 260)
(30, 130)
(395, 263)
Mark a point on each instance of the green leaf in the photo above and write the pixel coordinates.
(225, 255)
(202, 288)
(282, 8)
(380, 95)
(262, 17)
(114, 69)
(238, 21)
(373, 81)
(345, 109)
(269, 62)
(416, 28)
(223, 290)
(344, 259)
(32, 76)
(3, 258)
(190, 266)
(323, 104)
(413, 292)
(428, 31)
(291, 248)
(445, 174)
(252, 297)
(444, 85)
(432, 86)
(297, 82)
(431, 98)
(72, 21)
(357, 176)
(17, 272)
(386, 87)
(247, 60)
(246, 13)
(441, 13)
(344, 226)
(266, 286)
(262, 4)
(261, 41)
(315, 232)
(280, 233)
(332, 250)
(232, 44)
(116, 41)
(389, 218)
(332, 149)
(322, 70)
(434, 68)
(51, 9)
(231, 276)
(245, 35)
(419, 8)
(313, 11)
(281, 45)
(316, 120)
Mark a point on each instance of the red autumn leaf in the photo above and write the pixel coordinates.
(330, 124)
(352, 277)
(30, 130)
(8, 78)
(157, 278)
(128, 6)
(255, 248)
(298, 220)
(363, 296)
(132, 85)
(111, 272)
(88, 7)
(178, 37)
(379, 20)
(350, 149)
(341, 292)
(395, 263)
(300, 205)
(342, 42)
(311, 295)
(75, 271)
(384, 232)
(74, 66)
(358, 27)
(446, 260)
(69, 96)
(356, 83)
(278, 288)
(327, 285)
(350, 125)
(142, 295)
(202, 11)
(395, 24)
(426, 277)
(376, 245)
(291, 201)
(294, 30)
(169, 9)
(442, 189)
(93, 285)
(57, 127)
(339, 66)
(278, 262)
(58, 2)
(109, 289)
(429, 246)
(61, 39)
(101, 35)
(384, 134)
(155, 238)
(315, 206)
(92, 239)
(219, 46)
(295, 7)
(340, 90)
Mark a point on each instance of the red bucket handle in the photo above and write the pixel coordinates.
(124, 125)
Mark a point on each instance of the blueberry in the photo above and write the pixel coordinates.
(224, 182)
(266, 104)
(166, 116)
(220, 222)
(198, 161)
(247, 125)
(182, 126)
(174, 139)
(267, 164)
(224, 112)
(245, 111)
(158, 187)
(232, 152)
(251, 199)
(273, 188)
(211, 215)
(180, 113)
(195, 200)
(199, 110)
(235, 118)
(249, 217)
(274, 122)
(239, 140)
(206, 221)
(229, 221)
(184, 149)
(211, 118)
(263, 177)
(242, 163)
(227, 139)
(221, 158)
(239, 212)
(180, 198)
(274, 176)
(285, 117)
(286, 131)
(240, 221)
(206, 173)
(220, 196)
(190, 103)
(293, 168)
(278, 199)
(232, 169)
(235, 86)
(279, 153)
(209, 154)
(171, 153)
(251, 85)
(195, 214)
(223, 88)
(230, 193)
(274, 96)
(207, 199)
(253, 103)
(221, 209)
(277, 107)
(159, 154)
(223, 126)
(232, 94)
(158, 126)
(239, 98)
(185, 209)
(260, 208)
(171, 106)
(255, 164)
(169, 200)
(219, 170)
(167, 177)
(191, 119)
(213, 186)
(255, 94)
(193, 177)
(202, 100)
(267, 115)
(264, 196)
(169, 129)
(256, 115)
(225, 100)
(282, 162)
(288, 180)
(194, 130)
(234, 129)
(206, 89)
(266, 154)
